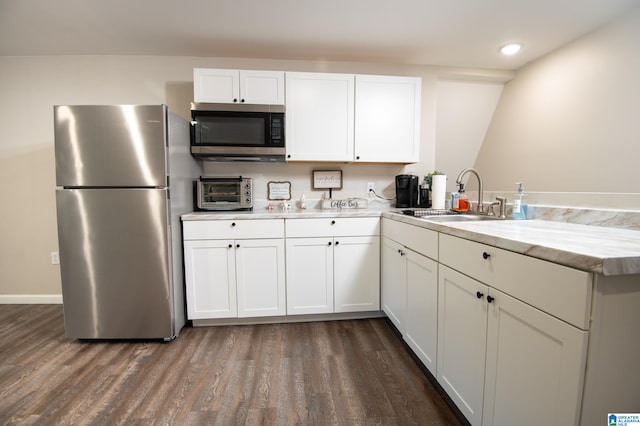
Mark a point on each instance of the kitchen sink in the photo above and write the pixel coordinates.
(460, 218)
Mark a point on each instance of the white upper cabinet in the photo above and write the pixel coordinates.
(238, 86)
(387, 119)
(345, 117)
(320, 113)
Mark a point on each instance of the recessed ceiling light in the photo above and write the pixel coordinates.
(510, 49)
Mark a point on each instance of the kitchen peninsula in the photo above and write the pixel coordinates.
(521, 314)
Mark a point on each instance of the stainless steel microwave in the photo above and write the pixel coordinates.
(224, 193)
(237, 132)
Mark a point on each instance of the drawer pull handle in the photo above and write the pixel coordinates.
(490, 299)
(479, 295)
(333, 222)
(485, 255)
(233, 224)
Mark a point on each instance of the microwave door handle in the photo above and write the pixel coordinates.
(195, 133)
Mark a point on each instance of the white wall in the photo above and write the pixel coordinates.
(571, 120)
(464, 111)
(30, 86)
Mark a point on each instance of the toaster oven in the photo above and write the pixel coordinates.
(224, 193)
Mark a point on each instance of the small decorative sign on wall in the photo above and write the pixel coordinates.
(279, 190)
(327, 179)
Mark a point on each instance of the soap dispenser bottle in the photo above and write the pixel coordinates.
(519, 207)
(461, 201)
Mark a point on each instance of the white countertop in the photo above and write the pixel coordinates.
(609, 251)
(278, 213)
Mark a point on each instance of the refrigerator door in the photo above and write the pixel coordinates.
(110, 145)
(114, 260)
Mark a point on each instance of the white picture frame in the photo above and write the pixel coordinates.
(327, 179)
(279, 190)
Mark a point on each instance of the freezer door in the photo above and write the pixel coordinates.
(114, 260)
(110, 145)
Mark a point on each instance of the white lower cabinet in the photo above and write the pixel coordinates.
(237, 268)
(309, 276)
(504, 362)
(332, 265)
(504, 334)
(421, 331)
(241, 277)
(210, 277)
(393, 281)
(356, 274)
(410, 287)
(533, 360)
(260, 278)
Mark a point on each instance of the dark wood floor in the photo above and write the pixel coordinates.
(320, 373)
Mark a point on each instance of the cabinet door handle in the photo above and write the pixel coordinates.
(401, 252)
(333, 222)
(337, 242)
(485, 255)
(241, 100)
(479, 295)
(233, 224)
(235, 100)
(329, 243)
(230, 245)
(237, 245)
(490, 299)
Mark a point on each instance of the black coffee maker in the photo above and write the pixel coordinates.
(406, 191)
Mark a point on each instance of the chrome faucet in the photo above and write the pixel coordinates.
(459, 181)
(502, 202)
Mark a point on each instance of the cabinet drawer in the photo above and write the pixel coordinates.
(332, 227)
(558, 290)
(421, 240)
(231, 229)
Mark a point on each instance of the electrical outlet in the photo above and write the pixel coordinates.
(370, 188)
(55, 258)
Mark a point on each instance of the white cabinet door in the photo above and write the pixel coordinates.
(422, 308)
(216, 85)
(534, 366)
(260, 277)
(309, 269)
(462, 340)
(356, 273)
(394, 291)
(320, 116)
(387, 119)
(210, 277)
(238, 86)
(262, 87)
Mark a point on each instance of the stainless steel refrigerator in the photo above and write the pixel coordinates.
(124, 176)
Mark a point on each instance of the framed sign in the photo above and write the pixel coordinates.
(279, 190)
(327, 179)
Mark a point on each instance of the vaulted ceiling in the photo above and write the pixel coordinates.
(459, 33)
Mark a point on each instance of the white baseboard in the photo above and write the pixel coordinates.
(30, 299)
